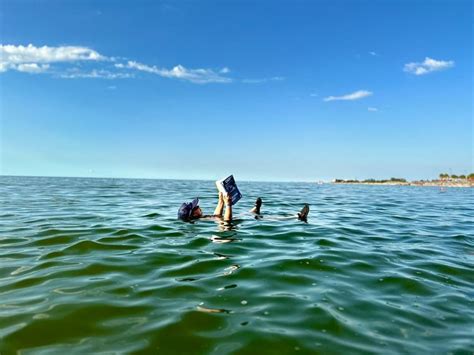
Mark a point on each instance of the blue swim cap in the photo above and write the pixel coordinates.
(186, 209)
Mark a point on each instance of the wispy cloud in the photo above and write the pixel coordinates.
(34, 59)
(197, 76)
(262, 80)
(429, 65)
(75, 62)
(372, 109)
(374, 54)
(32, 67)
(94, 74)
(357, 95)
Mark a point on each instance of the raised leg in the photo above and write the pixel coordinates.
(220, 206)
(256, 208)
(303, 214)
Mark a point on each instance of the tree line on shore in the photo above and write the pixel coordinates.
(444, 176)
(372, 181)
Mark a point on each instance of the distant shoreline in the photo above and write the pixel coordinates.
(413, 183)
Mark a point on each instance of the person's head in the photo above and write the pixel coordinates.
(196, 212)
(189, 211)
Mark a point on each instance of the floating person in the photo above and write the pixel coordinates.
(190, 211)
(229, 195)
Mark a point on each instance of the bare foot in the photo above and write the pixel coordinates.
(256, 208)
(303, 215)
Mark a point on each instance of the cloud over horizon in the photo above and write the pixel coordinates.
(429, 65)
(357, 95)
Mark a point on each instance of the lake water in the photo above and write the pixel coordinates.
(103, 265)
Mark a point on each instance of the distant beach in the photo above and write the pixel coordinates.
(444, 182)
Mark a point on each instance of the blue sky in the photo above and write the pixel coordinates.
(266, 90)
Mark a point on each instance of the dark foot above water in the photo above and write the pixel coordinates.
(258, 204)
(303, 215)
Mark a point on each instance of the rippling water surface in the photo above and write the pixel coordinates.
(89, 265)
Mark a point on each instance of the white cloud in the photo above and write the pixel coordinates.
(63, 61)
(263, 80)
(11, 56)
(427, 66)
(138, 66)
(374, 54)
(45, 54)
(357, 95)
(95, 74)
(28, 58)
(32, 68)
(197, 76)
(372, 109)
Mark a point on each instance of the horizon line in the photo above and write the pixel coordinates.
(151, 178)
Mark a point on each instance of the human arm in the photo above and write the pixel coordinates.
(228, 209)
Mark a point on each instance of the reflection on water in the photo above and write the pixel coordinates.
(217, 239)
(104, 265)
(212, 310)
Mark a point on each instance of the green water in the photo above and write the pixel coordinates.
(103, 266)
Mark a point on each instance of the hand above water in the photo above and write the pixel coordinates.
(228, 199)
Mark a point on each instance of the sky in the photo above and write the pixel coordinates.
(265, 90)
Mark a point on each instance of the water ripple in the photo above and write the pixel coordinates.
(103, 265)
